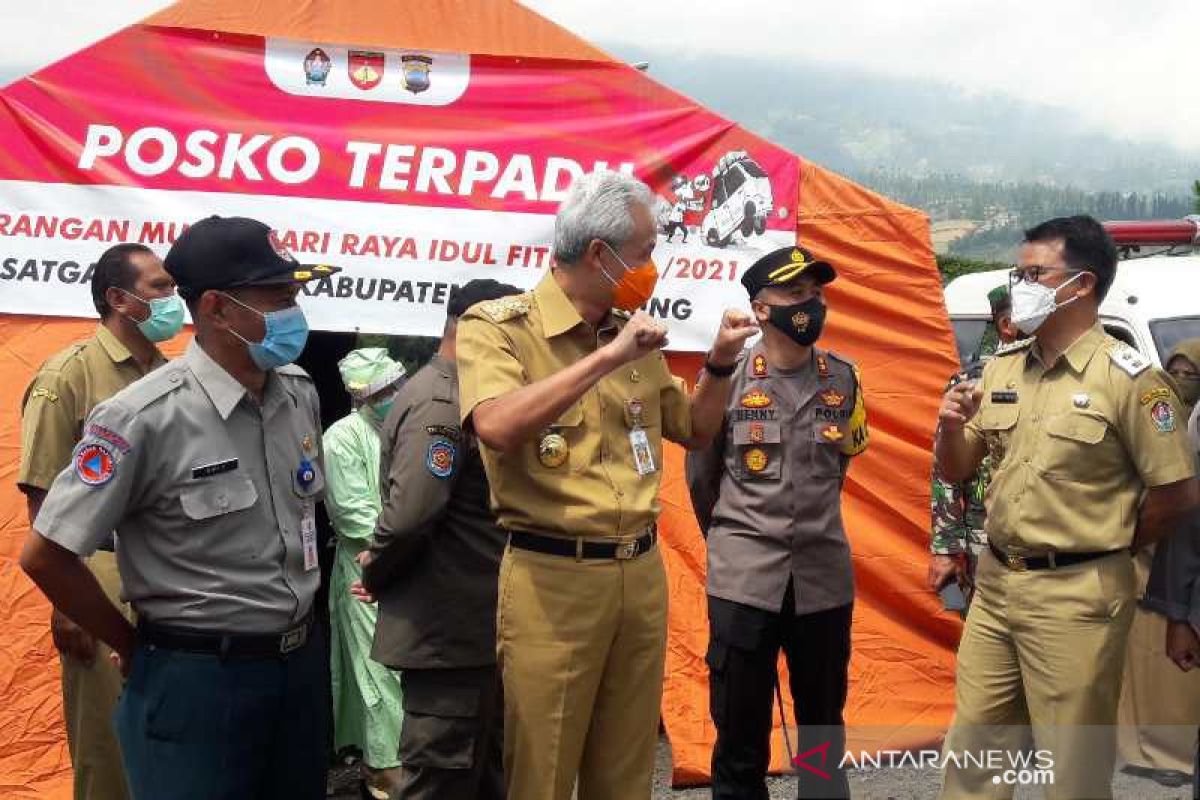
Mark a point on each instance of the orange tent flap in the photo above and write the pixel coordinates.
(496, 27)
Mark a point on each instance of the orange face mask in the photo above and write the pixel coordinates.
(636, 286)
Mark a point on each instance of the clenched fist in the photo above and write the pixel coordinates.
(959, 405)
(736, 328)
(641, 335)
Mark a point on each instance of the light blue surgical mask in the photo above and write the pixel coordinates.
(286, 335)
(166, 317)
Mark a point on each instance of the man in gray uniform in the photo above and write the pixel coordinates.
(434, 564)
(209, 470)
(768, 496)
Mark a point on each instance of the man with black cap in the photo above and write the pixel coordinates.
(434, 564)
(209, 470)
(768, 497)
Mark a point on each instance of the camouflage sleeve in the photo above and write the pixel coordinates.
(948, 517)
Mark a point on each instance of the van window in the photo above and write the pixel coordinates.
(734, 179)
(969, 335)
(1169, 332)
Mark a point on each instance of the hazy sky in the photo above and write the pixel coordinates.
(1129, 66)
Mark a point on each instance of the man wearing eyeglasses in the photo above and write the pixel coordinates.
(1090, 461)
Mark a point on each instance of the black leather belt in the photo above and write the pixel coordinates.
(578, 548)
(227, 646)
(1050, 561)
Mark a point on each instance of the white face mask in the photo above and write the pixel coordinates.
(1033, 303)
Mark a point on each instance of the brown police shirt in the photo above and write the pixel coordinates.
(768, 492)
(577, 478)
(1074, 444)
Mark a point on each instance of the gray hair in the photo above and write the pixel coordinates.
(597, 207)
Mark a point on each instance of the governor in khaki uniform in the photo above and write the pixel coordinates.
(1090, 459)
(433, 565)
(209, 470)
(571, 399)
(768, 497)
(138, 307)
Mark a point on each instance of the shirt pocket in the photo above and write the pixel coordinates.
(216, 497)
(997, 423)
(1070, 446)
(758, 448)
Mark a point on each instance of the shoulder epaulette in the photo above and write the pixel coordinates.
(502, 309)
(1013, 347)
(841, 359)
(294, 371)
(1129, 360)
(158, 383)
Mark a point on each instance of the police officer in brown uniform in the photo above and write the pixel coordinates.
(768, 496)
(433, 565)
(138, 307)
(571, 401)
(1090, 459)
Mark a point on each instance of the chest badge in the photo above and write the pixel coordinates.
(832, 433)
(1081, 400)
(756, 459)
(307, 444)
(305, 473)
(634, 376)
(553, 450)
(756, 398)
(833, 398)
(759, 366)
(758, 433)
(822, 367)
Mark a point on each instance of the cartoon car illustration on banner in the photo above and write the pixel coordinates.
(741, 199)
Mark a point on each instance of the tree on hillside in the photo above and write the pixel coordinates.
(1196, 196)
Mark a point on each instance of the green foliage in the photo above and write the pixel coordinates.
(953, 266)
(1196, 197)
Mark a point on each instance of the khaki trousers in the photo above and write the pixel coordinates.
(581, 645)
(90, 695)
(1160, 703)
(1044, 649)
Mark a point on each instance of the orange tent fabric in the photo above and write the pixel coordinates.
(886, 314)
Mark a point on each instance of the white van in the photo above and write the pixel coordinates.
(1153, 304)
(741, 199)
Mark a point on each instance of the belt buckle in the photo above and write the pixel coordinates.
(626, 551)
(293, 639)
(1015, 563)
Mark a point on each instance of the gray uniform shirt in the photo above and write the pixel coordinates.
(208, 492)
(768, 492)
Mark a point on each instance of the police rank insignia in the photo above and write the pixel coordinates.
(316, 67)
(760, 366)
(833, 398)
(503, 309)
(440, 458)
(832, 433)
(1128, 359)
(822, 367)
(756, 399)
(758, 433)
(1163, 416)
(94, 464)
(756, 459)
(416, 72)
(553, 450)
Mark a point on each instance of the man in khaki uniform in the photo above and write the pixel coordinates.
(768, 497)
(1090, 458)
(571, 400)
(136, 300)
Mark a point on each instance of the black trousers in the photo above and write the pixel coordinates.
(742, 656)
(452, 737)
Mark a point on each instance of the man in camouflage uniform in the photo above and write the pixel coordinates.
(957, 508)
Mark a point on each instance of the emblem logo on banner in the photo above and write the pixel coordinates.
(317, 65)
(365, 68)
(416, 72)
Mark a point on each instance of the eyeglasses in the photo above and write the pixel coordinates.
(1034, 274)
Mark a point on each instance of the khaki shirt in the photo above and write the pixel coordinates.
(596, 492)
(62, 394)
(205, 492)
(436, 553)
(768, 492)
(1074, 444)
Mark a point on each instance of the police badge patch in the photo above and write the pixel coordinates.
(440, 458)
(1163, 416)
(94, 464)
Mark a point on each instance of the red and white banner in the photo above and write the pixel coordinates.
(413, 171)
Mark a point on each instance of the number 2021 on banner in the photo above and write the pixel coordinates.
(700, 269)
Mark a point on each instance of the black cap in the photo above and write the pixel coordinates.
(230, 252)
(782, 266)
(476, 291)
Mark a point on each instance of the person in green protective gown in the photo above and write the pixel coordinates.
(366, 694)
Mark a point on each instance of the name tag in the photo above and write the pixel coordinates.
(208, 470)
(643, 456)
(1004, 397)
(308, 539)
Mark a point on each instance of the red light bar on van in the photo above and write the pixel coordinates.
(1161, 232)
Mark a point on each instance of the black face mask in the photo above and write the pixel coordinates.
(802, 322)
